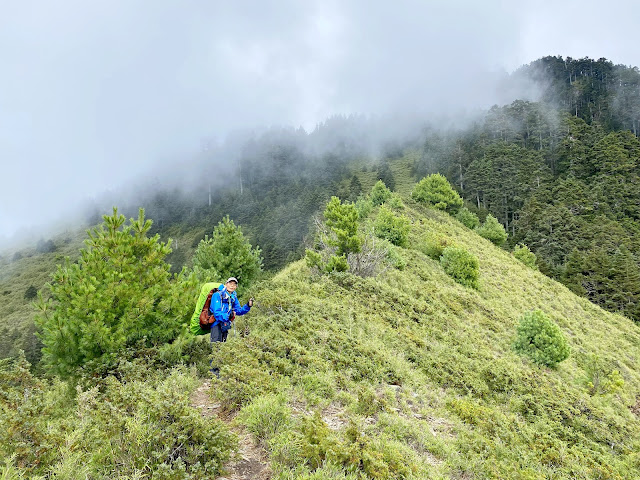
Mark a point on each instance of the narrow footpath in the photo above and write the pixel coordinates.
(250, 463)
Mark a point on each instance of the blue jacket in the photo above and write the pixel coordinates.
(222, 303)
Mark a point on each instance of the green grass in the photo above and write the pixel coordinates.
(408, 374)
(424, 369)
(17, 329)
(16, 276)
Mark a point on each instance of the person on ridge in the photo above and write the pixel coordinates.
(224, 307)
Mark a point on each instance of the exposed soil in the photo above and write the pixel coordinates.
(250, 461)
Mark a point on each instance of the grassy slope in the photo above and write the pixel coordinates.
(34, 268)
(420, 365)
(424, 369)
(16, 276)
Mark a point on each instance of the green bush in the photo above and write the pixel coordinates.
(602, 379)
(461, 265)
(437, 191)
(526, 256)
(395, 202)
(30, 293)
(243, 377)
(266, 416)
(227, 253)
(361, 453)
(396, 260)
(363, 206)
(136, 427)
(392, 228)
(379, 193)
(493, 231)
(187, 349)
(540, 339)
(119, 295)
(434, 246)
(28, 417)
(154, 427)
(468, 218)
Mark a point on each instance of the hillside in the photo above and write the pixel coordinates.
(22, 273)
(420, 373)
(405, 374)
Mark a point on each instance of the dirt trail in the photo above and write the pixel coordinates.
(250, 462)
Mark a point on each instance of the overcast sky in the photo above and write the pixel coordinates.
(95, 92)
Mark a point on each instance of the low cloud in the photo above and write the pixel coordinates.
(94, 96)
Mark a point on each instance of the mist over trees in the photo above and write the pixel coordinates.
(555, 181)
(560, 174)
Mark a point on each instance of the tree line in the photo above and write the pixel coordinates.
(559, 174)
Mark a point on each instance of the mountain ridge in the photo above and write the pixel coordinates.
(419, 331)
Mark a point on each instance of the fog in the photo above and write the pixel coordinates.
(98, 95)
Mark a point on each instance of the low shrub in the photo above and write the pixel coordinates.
(187, 349)
(379, 193)
(317, 387)
(468, 218)
(461, 265)
(243, 377)
(396, 260)
(434, 247)
(493, 231)
(392, 228)
(540, 339)
(435, 190)
(266, 416)
(29, 434)
(361, 453)
(602, 379)
(30, 293)
(120, 429)
(526, 256)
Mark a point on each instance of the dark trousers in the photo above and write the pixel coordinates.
(217, 335)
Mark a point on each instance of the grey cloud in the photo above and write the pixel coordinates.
(95, 94)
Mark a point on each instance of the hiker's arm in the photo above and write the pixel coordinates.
(216, 308)
(238, 309)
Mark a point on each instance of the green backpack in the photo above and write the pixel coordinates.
(194, 325)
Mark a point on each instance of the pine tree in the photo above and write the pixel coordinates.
(493, 230)
(526, 256)
(468, 218)
(355, 189)
(573, 276)
(437, 191)
(337, 238)
(386, 176)
(342, 220)
(380, 193)
(227, 253)
(118, 294)
(626, 275)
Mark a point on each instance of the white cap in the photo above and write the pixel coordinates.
(232, 279)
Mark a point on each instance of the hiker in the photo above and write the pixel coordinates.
(225, 307)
